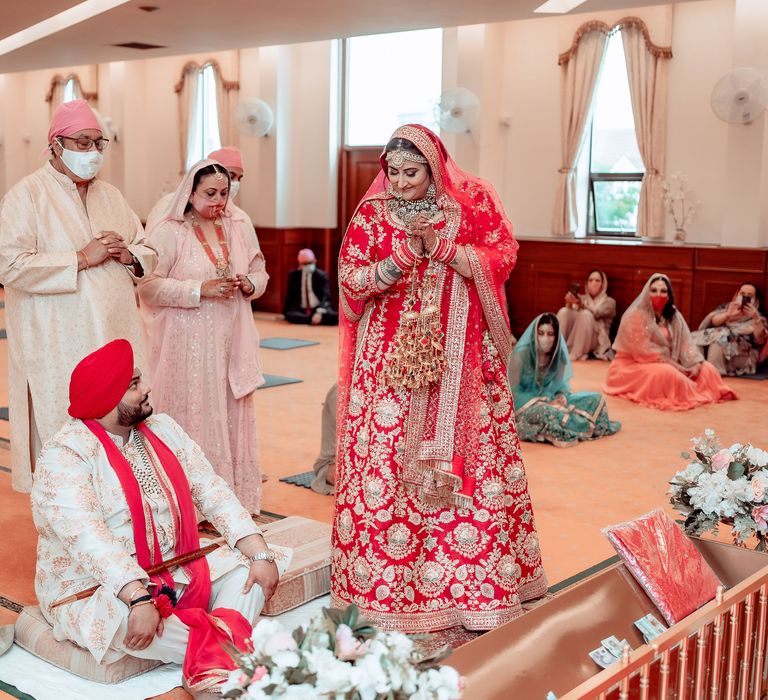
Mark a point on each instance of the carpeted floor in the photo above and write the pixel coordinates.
(575, 491)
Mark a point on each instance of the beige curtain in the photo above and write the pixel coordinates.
(648, 70)
(227, 92)
(55, 95)
(580, 68)
(186, 89)
(226, 100)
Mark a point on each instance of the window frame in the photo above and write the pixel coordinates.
(202, 96)
(592, 228)
(346, 75)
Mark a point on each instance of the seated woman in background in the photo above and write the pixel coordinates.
(657, 363)
(585, 320)
(734, 335)
(545, 409)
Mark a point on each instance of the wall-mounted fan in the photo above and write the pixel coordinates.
(254, 117)
(457, 110)
(740, 96)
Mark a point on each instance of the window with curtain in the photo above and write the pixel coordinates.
(392, 79)
(615, 167)
(70, 90)
(203, 136)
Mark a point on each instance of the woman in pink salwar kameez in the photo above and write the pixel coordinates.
(433, 525)
(204, 346)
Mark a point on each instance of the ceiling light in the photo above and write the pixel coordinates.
(56, 23)
(558, 7)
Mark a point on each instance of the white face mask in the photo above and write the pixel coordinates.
(309, 266)
(546, 343)
(234, 188)
(84, 164)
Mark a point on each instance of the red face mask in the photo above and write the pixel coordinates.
(659, 303)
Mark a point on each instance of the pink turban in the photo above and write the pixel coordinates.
(100, 380)
(71, 117)
(306, 256)
(228, 156)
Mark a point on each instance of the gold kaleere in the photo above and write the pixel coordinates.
(416, 358)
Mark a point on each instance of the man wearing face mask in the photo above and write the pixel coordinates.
(70, 250)
(308, 299)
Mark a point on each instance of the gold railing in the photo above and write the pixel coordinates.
(716, 653)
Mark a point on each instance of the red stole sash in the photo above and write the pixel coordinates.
(205, 658)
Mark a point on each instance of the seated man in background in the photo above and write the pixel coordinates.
(308, 299)
(733, 336)
(115, 493)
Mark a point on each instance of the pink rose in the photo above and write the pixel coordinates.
(760, 514)
(349, 647)
(259, 673)
(757, 487)
(721, 460)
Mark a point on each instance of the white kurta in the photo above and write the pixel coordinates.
(85, 532)
(56, 315)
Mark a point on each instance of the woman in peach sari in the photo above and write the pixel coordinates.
(657, 364)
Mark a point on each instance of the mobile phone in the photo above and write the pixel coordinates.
(574, 288)
(745, 300)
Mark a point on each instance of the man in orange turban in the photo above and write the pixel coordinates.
(70, 250)
(116, 492)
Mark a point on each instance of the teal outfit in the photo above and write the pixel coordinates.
(545, 408)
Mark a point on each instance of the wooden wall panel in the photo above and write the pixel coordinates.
(359, 167)
(280, 247)
(719, 273)
(701, 278)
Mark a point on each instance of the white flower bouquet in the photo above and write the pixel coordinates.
(338, 656)
(723, 485)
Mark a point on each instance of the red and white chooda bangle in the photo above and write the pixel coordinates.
(444, 251)
(404, 256)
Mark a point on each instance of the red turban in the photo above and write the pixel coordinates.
(71, 117)
(228, 156)
(100, 380)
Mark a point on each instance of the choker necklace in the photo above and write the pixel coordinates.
(407, 210)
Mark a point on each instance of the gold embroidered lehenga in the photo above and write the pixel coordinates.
(433, 525)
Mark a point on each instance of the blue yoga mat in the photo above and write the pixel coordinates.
(271, 380)
(286, 343)
(304, 479)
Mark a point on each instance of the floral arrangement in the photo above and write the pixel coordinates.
(338, 656)
(677, 201)
(723, 485)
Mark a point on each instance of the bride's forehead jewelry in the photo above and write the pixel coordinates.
(397, 158)
(218, 175)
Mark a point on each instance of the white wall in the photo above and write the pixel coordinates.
(512, 67)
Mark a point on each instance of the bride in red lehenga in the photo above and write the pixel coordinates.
(433, 525)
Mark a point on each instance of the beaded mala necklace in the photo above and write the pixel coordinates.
(220, 263)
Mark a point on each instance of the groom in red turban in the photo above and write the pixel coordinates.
(114, 495)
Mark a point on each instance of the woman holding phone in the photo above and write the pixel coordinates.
(735, 335)
(585, 320)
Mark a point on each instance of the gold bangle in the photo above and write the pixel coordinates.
(138, 605)
(140, 588)
(85, 257)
